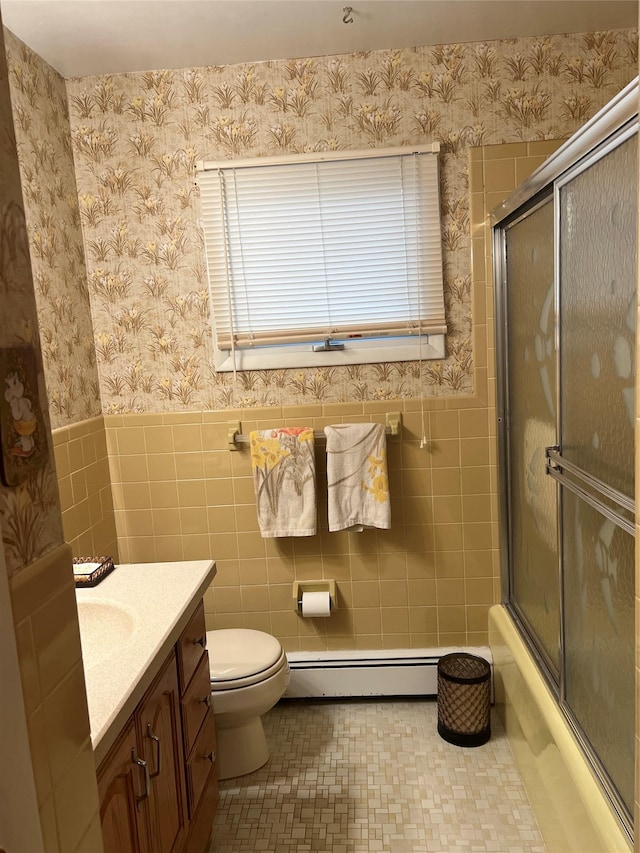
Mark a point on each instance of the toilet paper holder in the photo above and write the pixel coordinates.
(299, 587)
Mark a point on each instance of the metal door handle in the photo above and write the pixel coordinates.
(556, 467)
(140, 762)
(556, 463)
(156, 739)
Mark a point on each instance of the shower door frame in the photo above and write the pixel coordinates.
(617, 122)
(543, 196)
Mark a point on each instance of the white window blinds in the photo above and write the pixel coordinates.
(338, 248)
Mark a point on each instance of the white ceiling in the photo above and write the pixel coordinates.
(85, 37)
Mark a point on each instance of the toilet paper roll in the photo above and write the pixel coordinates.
(316, 604)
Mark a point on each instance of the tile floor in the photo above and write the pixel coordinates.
(359, 776)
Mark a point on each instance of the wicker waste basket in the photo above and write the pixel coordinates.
(464, 699)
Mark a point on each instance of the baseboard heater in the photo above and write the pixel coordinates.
(399, 672)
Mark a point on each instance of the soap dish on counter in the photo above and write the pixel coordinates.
(89, 571)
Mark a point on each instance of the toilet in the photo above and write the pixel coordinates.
(249, 674)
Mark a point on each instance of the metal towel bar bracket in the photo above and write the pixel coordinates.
(236, 438)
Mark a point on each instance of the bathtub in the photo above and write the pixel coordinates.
(572, 812)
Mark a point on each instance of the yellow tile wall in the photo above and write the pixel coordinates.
(180, 493)
(84, 484)
(48, 641)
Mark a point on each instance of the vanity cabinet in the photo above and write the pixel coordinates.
(158, 783)
(142, 783)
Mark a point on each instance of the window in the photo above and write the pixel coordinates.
(315, 261)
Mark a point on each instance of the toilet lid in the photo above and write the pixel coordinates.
(239, 653)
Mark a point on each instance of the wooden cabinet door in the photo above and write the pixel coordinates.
(160, 737)
(121, 787)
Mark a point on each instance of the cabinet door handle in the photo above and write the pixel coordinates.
(211, 756)
(147, 778)
(207, 700)
(201, 641)
(156, 739)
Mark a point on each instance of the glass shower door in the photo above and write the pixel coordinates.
(567, 305)
(597, 206)
(531, 383)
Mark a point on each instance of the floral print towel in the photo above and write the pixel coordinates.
(284, 478)
(357, 477)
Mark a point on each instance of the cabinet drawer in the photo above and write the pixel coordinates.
(196, 702)
(191, 645)
(202, 762)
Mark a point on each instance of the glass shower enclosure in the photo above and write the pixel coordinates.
(565, 247)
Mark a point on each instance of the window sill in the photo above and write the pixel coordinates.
(294, 356)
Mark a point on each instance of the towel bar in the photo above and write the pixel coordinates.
(237, 438)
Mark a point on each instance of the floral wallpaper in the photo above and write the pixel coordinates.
(136, 139)
(29, 512)
(55, 238)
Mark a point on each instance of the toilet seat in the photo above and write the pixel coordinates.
(239, 657)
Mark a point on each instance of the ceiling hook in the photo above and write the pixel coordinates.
(347, 18)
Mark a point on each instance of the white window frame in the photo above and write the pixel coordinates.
(301, 355)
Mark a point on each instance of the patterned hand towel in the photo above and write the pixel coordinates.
(357, 477)
(284, 478)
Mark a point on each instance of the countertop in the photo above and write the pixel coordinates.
(128, 625)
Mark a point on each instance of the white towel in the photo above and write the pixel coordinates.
(357, 477)
(284, 478)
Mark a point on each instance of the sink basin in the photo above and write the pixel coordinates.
(104, 628)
